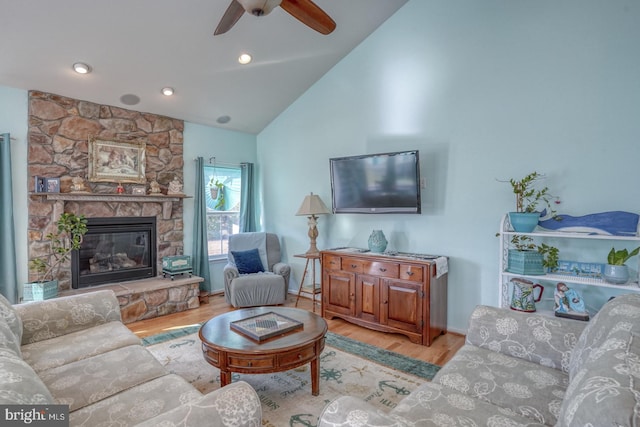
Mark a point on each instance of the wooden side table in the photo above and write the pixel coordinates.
(313, 288)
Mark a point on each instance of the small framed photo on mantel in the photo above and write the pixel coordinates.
(52, 185)
(139, 190)
(39, 184)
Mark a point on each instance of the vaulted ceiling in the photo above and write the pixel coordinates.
(137, 47)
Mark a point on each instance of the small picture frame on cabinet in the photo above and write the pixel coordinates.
(53, 185)
(138, 190)
(39, 184)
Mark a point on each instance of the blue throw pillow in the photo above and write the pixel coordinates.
(247, 261)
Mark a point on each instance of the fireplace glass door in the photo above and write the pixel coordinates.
(115, 250)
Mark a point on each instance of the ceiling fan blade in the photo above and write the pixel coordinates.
(309, 14)
(230, 17)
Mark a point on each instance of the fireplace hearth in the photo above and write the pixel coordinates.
(115, 249)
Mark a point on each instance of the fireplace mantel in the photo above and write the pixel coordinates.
(165, 200)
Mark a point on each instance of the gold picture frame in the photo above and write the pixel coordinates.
(116, 161)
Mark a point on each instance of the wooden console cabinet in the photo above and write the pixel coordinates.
(387, 293)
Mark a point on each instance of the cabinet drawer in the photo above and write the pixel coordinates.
(297, 356)
(353, 265)
(211, 356)
(382, 269)
(414, 273)
(250, 362)
(331, 262)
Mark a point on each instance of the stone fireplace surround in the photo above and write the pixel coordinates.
(59, 129)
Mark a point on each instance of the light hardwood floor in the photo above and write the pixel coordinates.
(442, 349)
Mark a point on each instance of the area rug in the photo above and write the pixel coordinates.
(347, 367)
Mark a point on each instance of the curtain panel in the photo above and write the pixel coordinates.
(200, 242)
(8, 272)
(247, 200)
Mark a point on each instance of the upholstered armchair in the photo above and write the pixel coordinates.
(254, 274)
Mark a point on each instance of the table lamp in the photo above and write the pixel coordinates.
(311, 206)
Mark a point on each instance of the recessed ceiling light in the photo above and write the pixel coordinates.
(81, 68)
(244, 59)
(223, 119)
(167, 91)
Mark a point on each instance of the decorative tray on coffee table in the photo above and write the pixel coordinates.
(265, 326)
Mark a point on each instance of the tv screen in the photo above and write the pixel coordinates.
(376, 183)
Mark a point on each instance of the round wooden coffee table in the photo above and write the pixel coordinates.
(231, 351)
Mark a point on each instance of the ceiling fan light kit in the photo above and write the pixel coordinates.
(304, 11)
(259, 7)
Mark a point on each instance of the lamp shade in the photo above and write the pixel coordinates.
(313, 205)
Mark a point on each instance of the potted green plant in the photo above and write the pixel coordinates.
(551, 256)
(528, 258)
(616, 271)
(216, 188)
(68, 235)
(528, 199)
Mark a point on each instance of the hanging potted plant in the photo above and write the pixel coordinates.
(616, 271)
(215, 187)
(68, 235)
(528, 199)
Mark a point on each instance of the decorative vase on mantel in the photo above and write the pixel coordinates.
(377, 241)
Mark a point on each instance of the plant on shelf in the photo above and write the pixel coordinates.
(621, 257)
(527, 196)
(68, 235)
(616, 271)
(550, 255)
(528, 258)
(523, 243)
(528, 199)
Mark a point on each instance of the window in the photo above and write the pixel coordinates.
(222, 188)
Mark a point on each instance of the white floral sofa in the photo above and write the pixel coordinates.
(521, 369)
(76, 351)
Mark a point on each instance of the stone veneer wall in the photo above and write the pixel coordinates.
(59, 129)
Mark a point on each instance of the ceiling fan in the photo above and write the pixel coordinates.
(304, 11)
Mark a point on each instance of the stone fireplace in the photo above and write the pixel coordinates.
(59, 131)
(115, 250)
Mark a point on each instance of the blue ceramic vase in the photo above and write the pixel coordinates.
(524, 222)
(377, 241)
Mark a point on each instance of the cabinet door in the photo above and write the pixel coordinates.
(402, 305)
(338, 292)
(368, 298)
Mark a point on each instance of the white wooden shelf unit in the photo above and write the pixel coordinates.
(506, 234)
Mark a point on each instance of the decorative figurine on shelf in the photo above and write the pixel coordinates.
(154, 187)
(120, 189)
(78, 185)
(175, 187)
(569, 303)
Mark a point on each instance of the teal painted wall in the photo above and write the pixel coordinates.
(227, 147)
(486, 91)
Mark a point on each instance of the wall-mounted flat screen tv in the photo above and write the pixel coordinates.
(376, 183)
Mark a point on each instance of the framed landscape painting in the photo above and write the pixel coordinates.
(116, 161)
